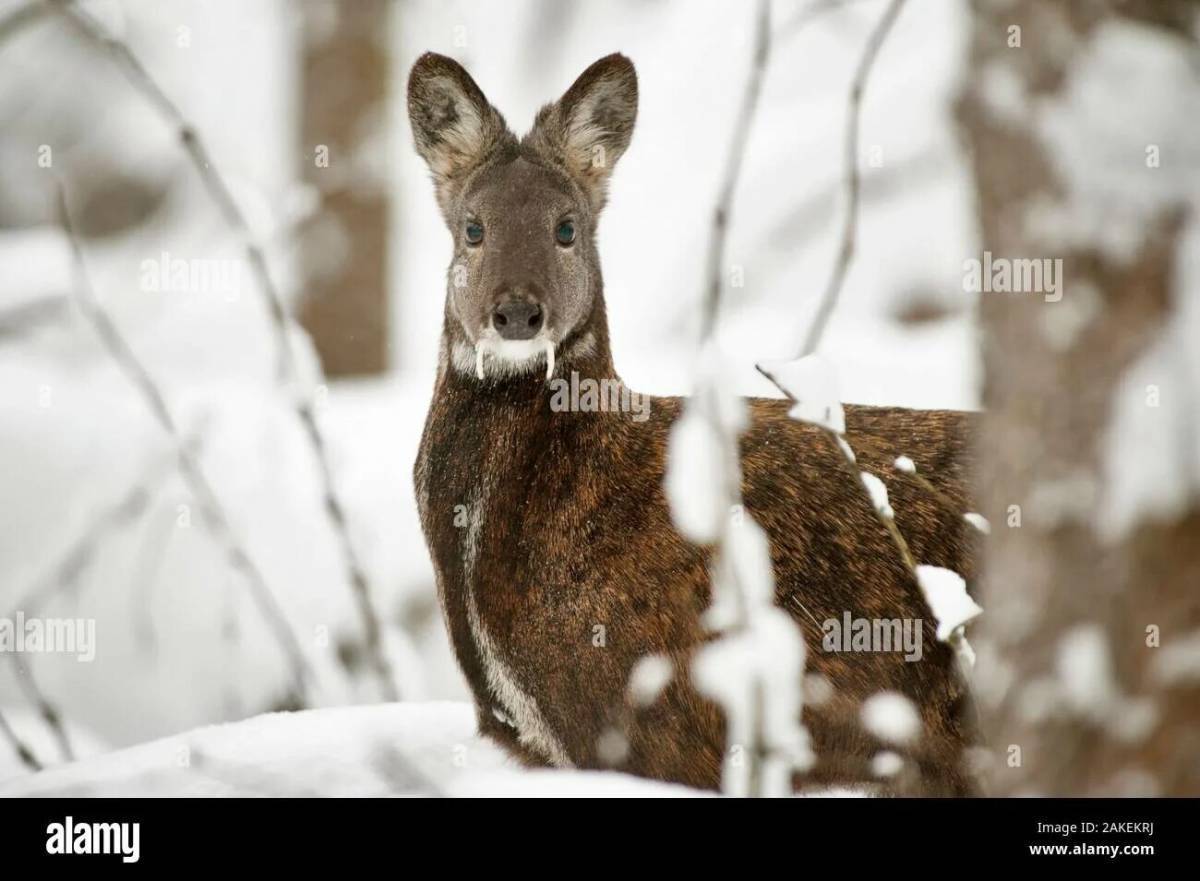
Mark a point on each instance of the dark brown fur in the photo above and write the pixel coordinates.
(556, 524)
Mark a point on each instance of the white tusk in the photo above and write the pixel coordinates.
(479, 360)
(549, 360)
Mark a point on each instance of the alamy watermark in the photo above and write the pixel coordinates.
(587, 395)
(850, 634)
(68, 636)
(1038, 275)
(116, 839)
(193, 275)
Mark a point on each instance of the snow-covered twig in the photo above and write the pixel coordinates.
(873, 487)
(755, 665)
(282, 323)
(846, 253)
(189, 466)
(24, 753)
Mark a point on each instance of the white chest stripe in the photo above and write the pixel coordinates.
(521, 708)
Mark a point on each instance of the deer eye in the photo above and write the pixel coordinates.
(474, 232)
(565, 234)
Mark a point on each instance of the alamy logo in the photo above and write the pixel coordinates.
(71, 636)
(852, 634)
(1040, 275)
(196, 275)
(587, 395)
(69, 837)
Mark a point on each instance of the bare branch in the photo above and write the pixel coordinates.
(846, 251)
(288, 373)
(806, 16)
(25, 317)
(47, 710)
(189, 466)
(733, 168)
(82, 551)
(850, 224)
(24, 753)
(19, 19)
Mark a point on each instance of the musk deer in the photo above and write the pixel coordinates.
(557, 563)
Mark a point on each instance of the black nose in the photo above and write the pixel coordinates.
(517, 320)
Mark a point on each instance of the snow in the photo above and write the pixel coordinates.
(1114, 197)
(694, 455)
(381, 750)
(979, 522)
(1178, 662)
(763, 658)
(1151, 446)
(812, 383)
(650, 675)
(946, 594)
(891, 717)
(886, 764)
(879, 494)
(405, 749)
(1084, 668)
(1085, 685)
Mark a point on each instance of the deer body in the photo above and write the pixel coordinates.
(557, 563)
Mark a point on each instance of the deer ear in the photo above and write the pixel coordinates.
(455, 129)
(589, 128)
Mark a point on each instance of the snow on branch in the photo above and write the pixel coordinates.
(282, 324)
(810, 383)
(754, 668)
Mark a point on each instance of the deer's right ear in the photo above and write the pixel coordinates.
(455, 129)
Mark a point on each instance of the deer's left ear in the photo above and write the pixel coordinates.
(589, 128)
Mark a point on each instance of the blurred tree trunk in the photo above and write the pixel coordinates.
(1080, 119)
(343, 142)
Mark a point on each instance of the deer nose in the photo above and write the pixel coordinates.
(517, 320)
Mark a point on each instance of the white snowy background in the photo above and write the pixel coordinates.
(179, 643)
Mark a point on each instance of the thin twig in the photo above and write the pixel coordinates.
(24, 753)
(733, 168)
(19, 19)
(731, 472)
(47, 710)
(852, 181)
(807, 16)
(846, 251)
(150, 557)
(210, 507)
(287, 370)
(889, 523)
(61, 577)
(65, 572)
(19, 320)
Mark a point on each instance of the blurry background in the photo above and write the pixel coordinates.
(301, 107)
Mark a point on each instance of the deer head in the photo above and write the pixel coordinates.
(524, 285)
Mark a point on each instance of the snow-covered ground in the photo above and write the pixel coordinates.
(429, 749)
